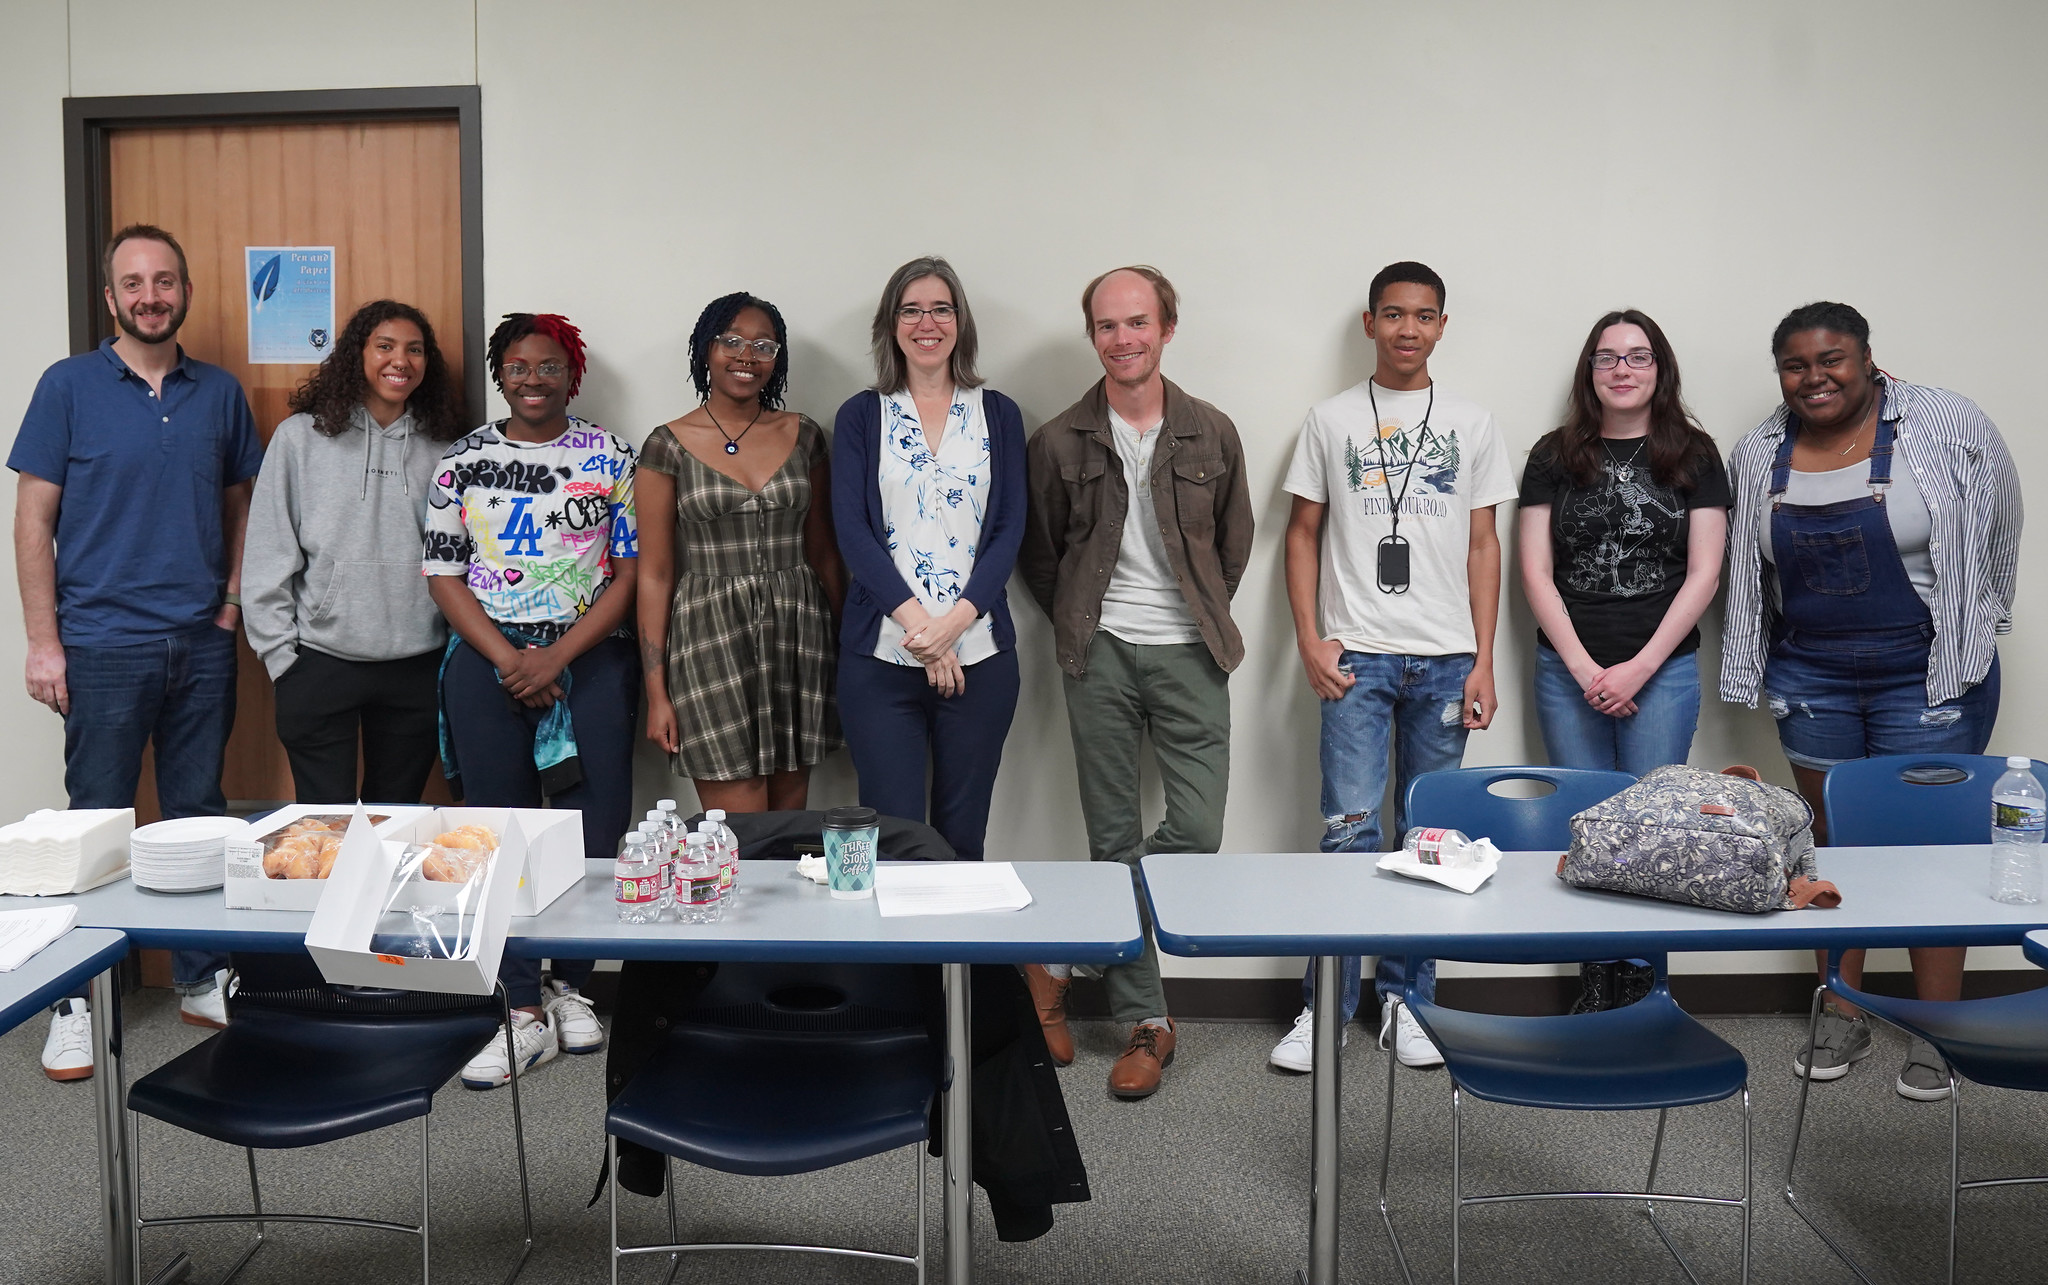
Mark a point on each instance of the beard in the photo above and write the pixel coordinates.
(128, 322)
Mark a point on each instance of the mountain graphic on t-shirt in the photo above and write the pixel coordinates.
(1431, 456)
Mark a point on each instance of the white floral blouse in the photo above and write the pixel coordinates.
(932, 510)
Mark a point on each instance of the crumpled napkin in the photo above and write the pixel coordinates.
(812, 867)
(1466, 879)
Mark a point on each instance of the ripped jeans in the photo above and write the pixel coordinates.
(1412, 706)
(1849, 696)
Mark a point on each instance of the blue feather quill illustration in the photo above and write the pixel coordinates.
(264, 284)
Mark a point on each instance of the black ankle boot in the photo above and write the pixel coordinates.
(1632, 981)
(1596, 988)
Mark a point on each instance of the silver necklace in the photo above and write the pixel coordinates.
(1624, 470)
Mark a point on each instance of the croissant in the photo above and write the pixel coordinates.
(304, 865)
(329, 849)
(469, 836)
(452, 865)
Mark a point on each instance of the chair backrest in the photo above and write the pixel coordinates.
(815, 999)
(1462, 799)
(1901, 799)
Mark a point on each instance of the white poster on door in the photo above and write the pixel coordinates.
(291, 303)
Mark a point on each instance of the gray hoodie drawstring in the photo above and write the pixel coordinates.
(369, 431)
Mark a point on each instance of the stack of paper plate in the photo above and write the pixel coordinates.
(185, 855)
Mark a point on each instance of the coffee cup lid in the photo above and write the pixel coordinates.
(851, 818)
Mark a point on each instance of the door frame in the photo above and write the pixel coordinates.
(88, 195)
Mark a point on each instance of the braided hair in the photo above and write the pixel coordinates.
(713, 321)
(518, 325)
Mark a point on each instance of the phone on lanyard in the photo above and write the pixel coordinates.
(1393, 564)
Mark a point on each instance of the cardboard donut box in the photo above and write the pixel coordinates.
(553, 859)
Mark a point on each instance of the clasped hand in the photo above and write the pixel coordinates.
(529, 677)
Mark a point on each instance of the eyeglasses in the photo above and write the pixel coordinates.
(546, 370)
(944, 314)
(765, 349)
(1640, 359)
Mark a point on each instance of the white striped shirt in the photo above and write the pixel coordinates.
(1972, 491)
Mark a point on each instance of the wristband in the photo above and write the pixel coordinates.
(231, 599)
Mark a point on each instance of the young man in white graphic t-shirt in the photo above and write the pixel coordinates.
(1392, 536)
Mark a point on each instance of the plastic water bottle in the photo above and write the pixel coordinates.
(637, 882)
(697, 900)
(727, 845)
(2019, 807)
(1433, 846)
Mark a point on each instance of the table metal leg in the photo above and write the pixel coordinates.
(958, 1115)
(117, 1198)
(1325, 1090)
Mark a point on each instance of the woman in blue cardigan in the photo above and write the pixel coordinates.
(928, 498)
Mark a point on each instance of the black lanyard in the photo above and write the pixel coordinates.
(1393, 550)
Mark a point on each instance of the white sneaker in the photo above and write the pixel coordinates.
(67, 1053)
(1296, 1049)
(207, 1008)
(1411, 1046)
(576, 1027)
(533, 1042)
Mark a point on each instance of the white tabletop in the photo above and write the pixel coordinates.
(1340, 904)
(1081, 911)
(52, 972)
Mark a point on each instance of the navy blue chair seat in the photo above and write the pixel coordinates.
(284, 1079)
(2001, 1043)
(773, 1103)
(1649, 1056)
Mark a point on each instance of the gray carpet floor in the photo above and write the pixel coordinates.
(1205, 1181)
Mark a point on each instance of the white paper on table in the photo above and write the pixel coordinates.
(24, 932)
(948, 888)
(1465, 879)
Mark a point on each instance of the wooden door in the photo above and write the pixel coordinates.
(385, 194)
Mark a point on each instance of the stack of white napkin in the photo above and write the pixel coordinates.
(48, 854)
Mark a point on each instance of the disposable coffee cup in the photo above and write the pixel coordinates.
(850, 849)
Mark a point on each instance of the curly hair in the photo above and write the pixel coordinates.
(518, 325)
(334, 390)
(712, 322)
(1825, 315)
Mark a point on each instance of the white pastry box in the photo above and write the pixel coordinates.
(370, 930)
(248, 888)
(553, 859)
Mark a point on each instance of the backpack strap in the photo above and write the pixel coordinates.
(1819, 893)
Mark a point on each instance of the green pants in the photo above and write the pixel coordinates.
(1182, 697)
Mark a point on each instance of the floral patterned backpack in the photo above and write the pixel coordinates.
(1724, 840)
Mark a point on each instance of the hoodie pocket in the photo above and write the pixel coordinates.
(372, 608)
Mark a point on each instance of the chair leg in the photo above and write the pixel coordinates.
(611, 1155)
(675, 1233)
(1955, 1175)
(1650, 1206)
(426, 1202)
(1747, 1203)
(1386, 1163)
(519, 1142)
(917, 1159)
(1457, 1175)
(1799, 1128)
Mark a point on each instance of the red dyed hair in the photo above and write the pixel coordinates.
(518, 325)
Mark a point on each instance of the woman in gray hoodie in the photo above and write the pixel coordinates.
(332, 596)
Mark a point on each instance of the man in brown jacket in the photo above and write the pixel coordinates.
(1138, 531)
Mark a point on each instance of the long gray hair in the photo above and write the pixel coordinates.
(892, 369)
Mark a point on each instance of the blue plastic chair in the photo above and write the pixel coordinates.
(2000, 1042)
(303, 1063)
(1648, 1056)
(784, 1069)
(1921, 799)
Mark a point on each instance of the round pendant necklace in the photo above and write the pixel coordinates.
(1624, 470)
(732, 444)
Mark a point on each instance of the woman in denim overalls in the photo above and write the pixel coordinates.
(1849, 528)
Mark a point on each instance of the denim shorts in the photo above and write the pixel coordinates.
(1849, 696)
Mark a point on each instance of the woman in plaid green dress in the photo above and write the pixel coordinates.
(740, 576)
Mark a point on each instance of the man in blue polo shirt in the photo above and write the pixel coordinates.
(136, 463)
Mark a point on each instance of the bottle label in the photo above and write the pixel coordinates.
(1429, 846)
(2028, 819)
(638, 891)
(704, 890)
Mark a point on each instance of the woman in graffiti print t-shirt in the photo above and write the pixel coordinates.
(531, 554)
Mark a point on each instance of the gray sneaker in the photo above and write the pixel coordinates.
(1840, 1041)
(1924, 1077)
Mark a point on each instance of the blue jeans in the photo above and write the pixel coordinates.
(1849, 696)
(1659, 732)
(1416, 703)
(177, 694)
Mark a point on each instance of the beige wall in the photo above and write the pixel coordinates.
(1713, 165)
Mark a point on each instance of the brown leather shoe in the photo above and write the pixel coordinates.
(1049, 995)
(1136, 1073)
